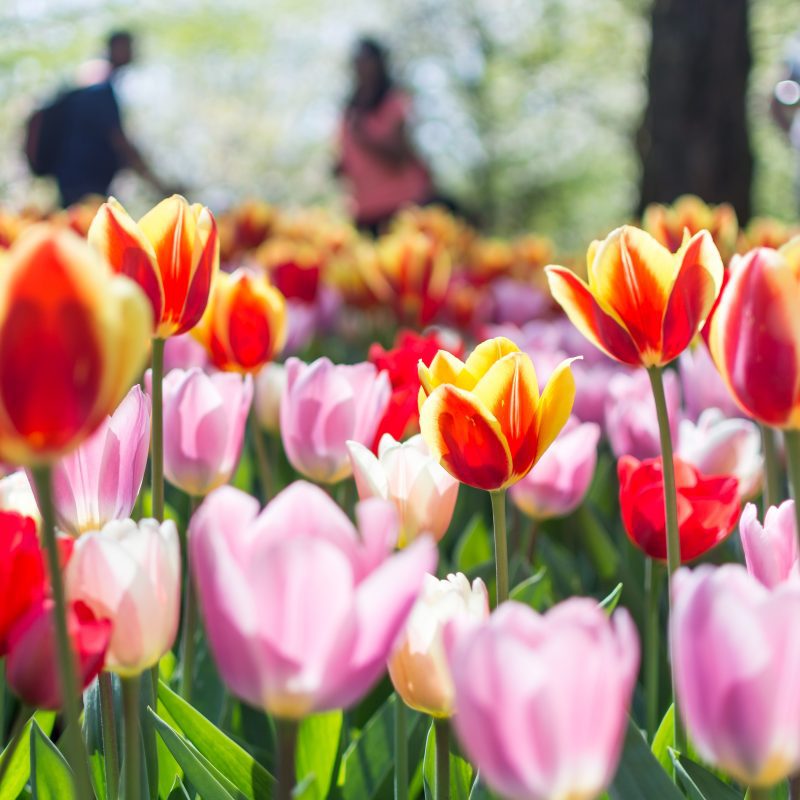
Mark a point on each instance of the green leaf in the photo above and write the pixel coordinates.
(178, 791)
(93, 733)
(663, 740)
(474, 546)
(169, 771)
(462, 775)
(19, 769)
(232, 761)
(699, 782)
(640, 776)
(51, 777)
(609, 602)
(317, 752)
(535, 591)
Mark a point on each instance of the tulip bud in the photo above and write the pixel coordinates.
(770, 550)
(270, 384)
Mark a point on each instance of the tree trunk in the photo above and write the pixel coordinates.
(694, 136)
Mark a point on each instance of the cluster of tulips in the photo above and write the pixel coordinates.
(123, 343)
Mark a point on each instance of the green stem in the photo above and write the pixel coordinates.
(189, 619)
(286, 730)
(754, 793)
(441, 728)
(70, 689)
(2, 704)
(130, 706)
(792, 440)
(771, 494)
(157, 431)
(400, 750)
(262, 457)
(500, 544)
(652, 640)
(14, 739)
(109, 728)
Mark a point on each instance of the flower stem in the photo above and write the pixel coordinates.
(400, 750)
(441, 728)
(67, 673)
(287, 742)
(792, 439)
(262, 457)
(500, 544)
(652, 637)
(109, 727)
(130, 706)
(755, 793)
(189, 619)
(771, 494)
(157, 431)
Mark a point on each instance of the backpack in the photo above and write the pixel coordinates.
(44, 131)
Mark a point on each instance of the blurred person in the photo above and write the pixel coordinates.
(377, 158)
(786, 95)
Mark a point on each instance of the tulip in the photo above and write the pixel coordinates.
(245, 323)
(702, 385)
(484, 420)
(719, 446)
(16, 495)
(204, 423)
(325, 405)
(770, 550)
(542, 700)
(131, 574)
(407, 475)
(301, 609)
(100, 481)
(172, 253)
(736, 660)
(631, 421)
(765, 232)
(74, 337)
(708, 507)
(643, 304)
(31, 671)
(184, 352)
(561, 479)
(418, 666)
(270, 383)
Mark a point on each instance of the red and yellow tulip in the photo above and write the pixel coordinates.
(484, 420)
(245, 323)
(642, 304)
(172, 253)
(73, 338)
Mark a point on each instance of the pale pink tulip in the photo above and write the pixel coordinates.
(418, 666)
(184, 352)
(100, 481)
(423, 492)
(131, 575)
(16, 495)
(302, 609)
(204, 424)
(559, 482)
(702, 384)
(323, 406)
(736, 661)
(269, 386)
(720, 446)
(542, 700)
(770, 551)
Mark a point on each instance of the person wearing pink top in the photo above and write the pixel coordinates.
(377, 160)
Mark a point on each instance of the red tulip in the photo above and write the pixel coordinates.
(708, 507)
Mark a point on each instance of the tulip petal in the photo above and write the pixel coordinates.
(555, 406)
(444, 368)
(482, 358)
(204, 271)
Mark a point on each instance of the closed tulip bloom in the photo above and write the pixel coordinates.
(172, 253)
(73, 337)
(720, 446)
(204, 422)
(302, 609)
(418, 666)
(100, 481)
(755, 334)
(130, 574)
(324, 405)
(708, 507)
(736, 660)
(702, 386)
(561, 479)
(643, 304)
(484, 419)
(423, 493)
(542, 700)
(244, 326)
(270, 383)
(770, 550)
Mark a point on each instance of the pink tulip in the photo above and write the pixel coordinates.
(770, 551)
(736, 660)
(100, 481)
(542, 700)
(184, 352)
(720, 446)
(423, 492)
(631, 424)
(702, 384)
(269, 386)
(301, 609)
(323, 406)
(204, 423)
(559, 482)
(130, 574)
